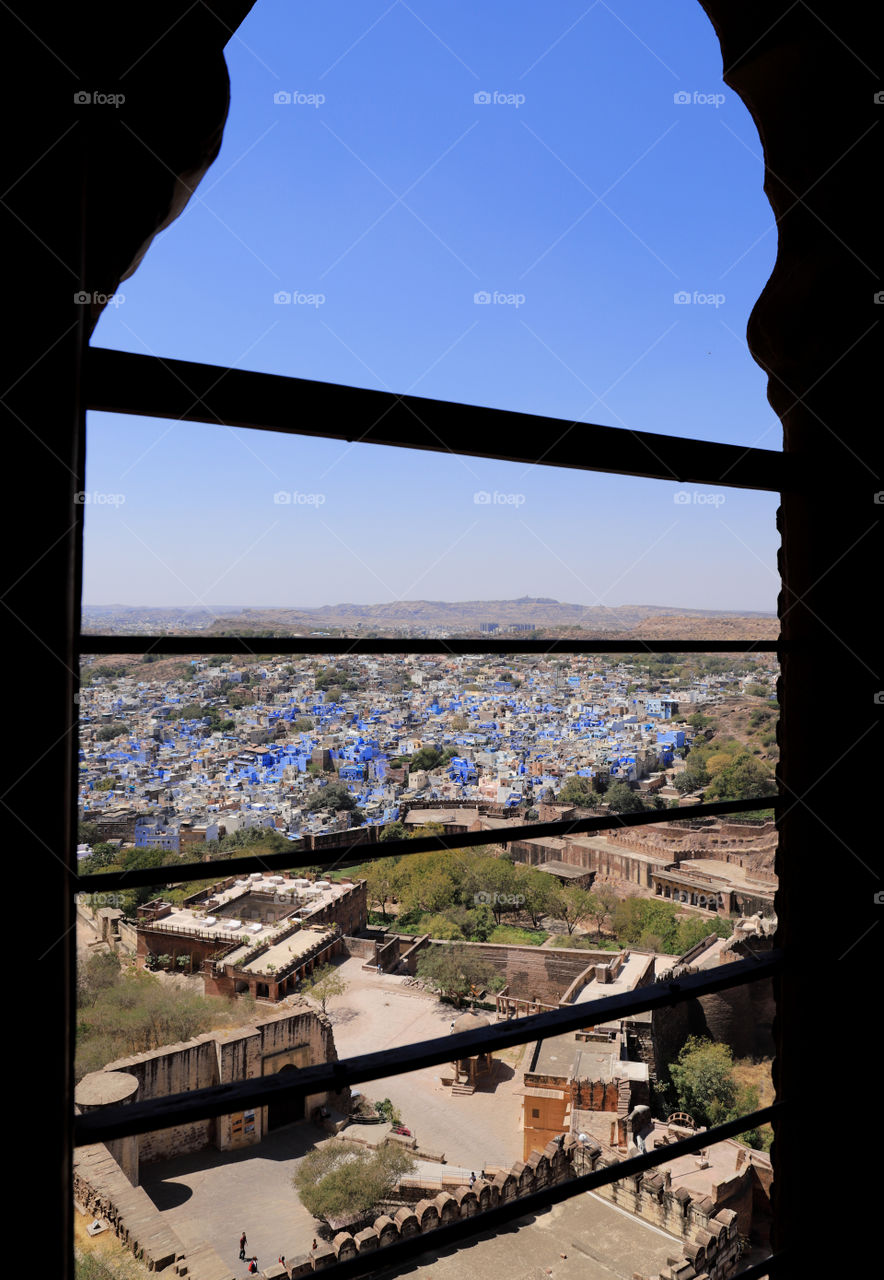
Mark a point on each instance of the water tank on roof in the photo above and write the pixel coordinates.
(323, 884)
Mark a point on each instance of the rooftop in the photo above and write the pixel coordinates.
(253, 906)
(565, 1056)
(284, 952)
(630, 973)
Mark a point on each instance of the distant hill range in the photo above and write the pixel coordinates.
(460, 617)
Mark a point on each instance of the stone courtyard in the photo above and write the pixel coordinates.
(211, 1196)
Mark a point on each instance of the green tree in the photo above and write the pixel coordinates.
(491, 881)
(620, 798)
(430, 758)
(578, 791)
(99, 973)
(343, 1180)
(324, 984)
(604, 902)
(138, 1012)
(457, 972)
(382, 878)
(443, 927)
(703, 1081)
(394, 831)
(427, 886)
(744, 779)
(646, 922)
(691, 779)
(111, 731)
(570, 904)
(102, 856)
(333, 796)
(692, 931)
(537, 889)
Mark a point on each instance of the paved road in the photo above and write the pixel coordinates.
(380, 1012)
(212, 1196)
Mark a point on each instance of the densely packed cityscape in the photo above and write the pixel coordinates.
(221, 745)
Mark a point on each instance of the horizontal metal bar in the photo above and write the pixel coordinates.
(201, 1104)
(196, 645)
(379, 1263)
(344, 854)
(771, 1265)
(150, 386)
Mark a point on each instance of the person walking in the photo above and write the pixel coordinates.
(242, 1245)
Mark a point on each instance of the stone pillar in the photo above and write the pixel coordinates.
(112, 1089)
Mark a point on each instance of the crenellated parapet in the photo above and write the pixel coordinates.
(439, 1208)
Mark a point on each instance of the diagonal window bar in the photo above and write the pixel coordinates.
(332, 856)
(139, 385)
(380, 1262)
(254, 645)
(202, 1104)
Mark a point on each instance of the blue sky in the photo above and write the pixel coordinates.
(581, 165)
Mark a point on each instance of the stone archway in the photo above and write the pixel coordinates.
(285, 1110)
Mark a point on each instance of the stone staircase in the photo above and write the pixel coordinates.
(202, 1263)
(104, 1191)
(465, 1090)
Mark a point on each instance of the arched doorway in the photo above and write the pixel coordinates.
(285, 1110)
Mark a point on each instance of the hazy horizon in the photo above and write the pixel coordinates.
(343, 604)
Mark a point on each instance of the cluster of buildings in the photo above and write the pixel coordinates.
(510, 732)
